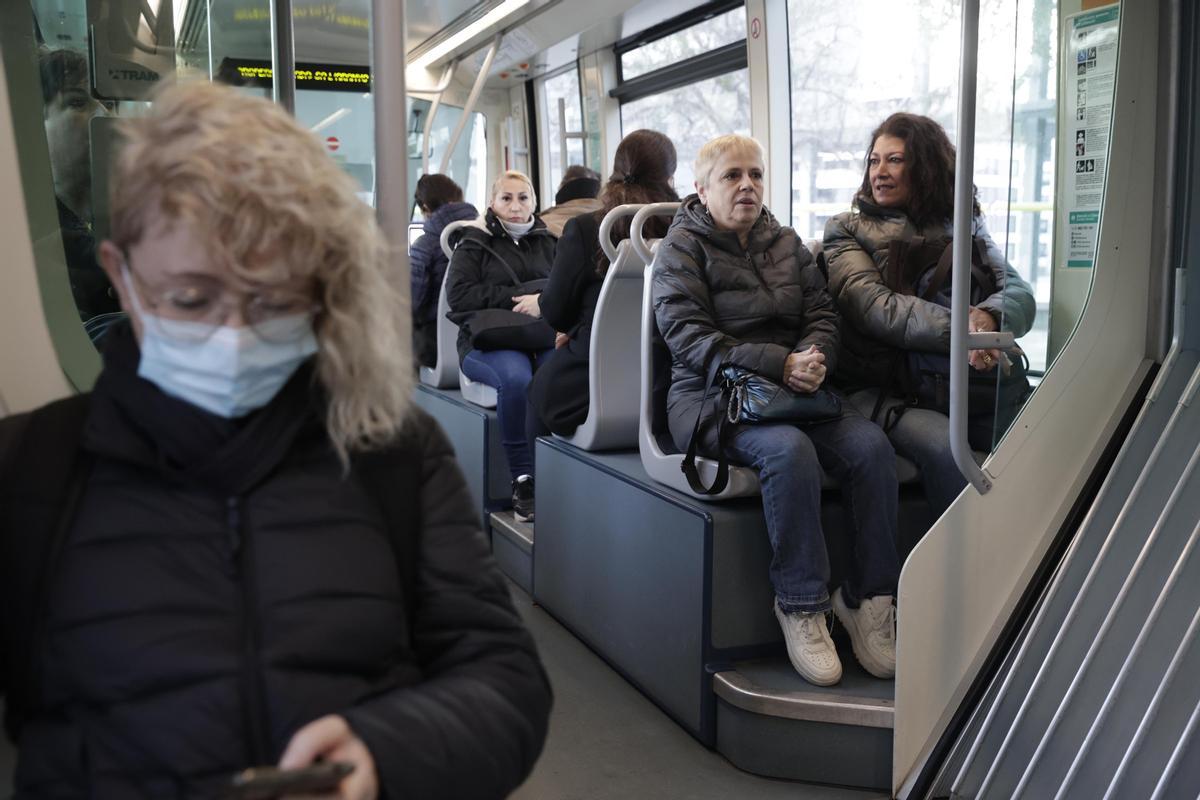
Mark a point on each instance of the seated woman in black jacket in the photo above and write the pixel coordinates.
(643, 172)
(246, 546)
(731, 283)
(486, 271)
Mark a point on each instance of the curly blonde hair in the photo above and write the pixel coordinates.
(261, 192)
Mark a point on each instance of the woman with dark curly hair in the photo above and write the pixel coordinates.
(907, 194)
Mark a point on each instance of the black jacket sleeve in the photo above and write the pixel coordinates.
(467, 286)
(820, 316)
(574, 268)
(683, 310)
(473, 728)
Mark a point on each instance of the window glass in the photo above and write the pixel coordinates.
(564, 87)
(691, 115)
(844, 84)
(697, 40)
(468, 165)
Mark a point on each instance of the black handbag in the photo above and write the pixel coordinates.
(750, 399)
(502, 328)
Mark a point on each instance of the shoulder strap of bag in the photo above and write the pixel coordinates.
(689, 460)
(393, 478)
(44, 470)
(504, 263)
(978, 269)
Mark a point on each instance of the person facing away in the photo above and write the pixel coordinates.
(907, 191)
(441, 202)
(267, 553)
(731, 283)
(643, 172)
(68, 109)
(513, 247)
(576, 195)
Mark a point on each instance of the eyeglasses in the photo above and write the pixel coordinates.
(192, 308)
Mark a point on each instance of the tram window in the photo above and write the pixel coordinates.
(843, 85)
(468, 165)
(565, 87)
(696, 40)
(691, 115)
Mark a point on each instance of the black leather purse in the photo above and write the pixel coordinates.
(751, 399)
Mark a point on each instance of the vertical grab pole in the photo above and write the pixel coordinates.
(472, 98)
(391, 137)
(426, 145)
(283, 56)
(964, 199)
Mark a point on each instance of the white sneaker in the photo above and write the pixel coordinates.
(872, 629)
(809, 647)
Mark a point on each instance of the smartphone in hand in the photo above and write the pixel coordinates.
(268, 783)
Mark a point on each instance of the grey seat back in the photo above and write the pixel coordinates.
(444, 373)
(612, 420)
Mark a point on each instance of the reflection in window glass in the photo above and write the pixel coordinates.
(563, 87)
(844, 84)
(691, 115)
(717, 32)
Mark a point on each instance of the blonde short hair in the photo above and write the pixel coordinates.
(714, 149)
(512, 175)
(262, 194)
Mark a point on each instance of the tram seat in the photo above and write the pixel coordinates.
(612, 420)
(445, 373)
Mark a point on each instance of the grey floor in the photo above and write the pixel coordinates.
(608, 741)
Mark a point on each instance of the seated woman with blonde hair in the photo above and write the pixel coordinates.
(731, 285)
(246, 547)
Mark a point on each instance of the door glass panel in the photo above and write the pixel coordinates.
(562, 88)
(691, 115)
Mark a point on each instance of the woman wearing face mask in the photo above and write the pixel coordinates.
(488, 266)
(731, 283)
(245, 547)
(908, 192)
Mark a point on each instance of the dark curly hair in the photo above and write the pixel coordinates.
(642, 172)
(929, 163)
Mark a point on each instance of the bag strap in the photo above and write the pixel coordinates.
(392, 477)
(503, 262)
(689, 460)
(45, 471)
(979, 270)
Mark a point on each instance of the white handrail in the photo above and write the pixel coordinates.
(610, 219)
(639, 219)
(438, 91)
(472, 98)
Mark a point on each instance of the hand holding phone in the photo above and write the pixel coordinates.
(269, 783)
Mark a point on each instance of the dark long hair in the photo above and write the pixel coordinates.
(642, 171)
(929, 163)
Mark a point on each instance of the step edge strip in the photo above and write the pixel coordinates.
(740, 692)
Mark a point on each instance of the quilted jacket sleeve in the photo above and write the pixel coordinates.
(820, 315)
(857, 286)
(1013, 304)
(473, 728)
(683, 310)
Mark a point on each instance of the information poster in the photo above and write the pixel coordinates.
(1089, 71)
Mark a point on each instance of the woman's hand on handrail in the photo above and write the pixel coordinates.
(527, 304)
(804, 372)
(980, 321)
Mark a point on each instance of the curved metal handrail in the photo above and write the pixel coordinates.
(627, 210)
(451, 228)
(639, 219)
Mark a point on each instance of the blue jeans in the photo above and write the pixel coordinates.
(509, 373)
(789, 461)
(923, 437)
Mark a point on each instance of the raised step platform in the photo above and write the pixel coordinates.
(475, 434)
(512, 545)
(772, 722)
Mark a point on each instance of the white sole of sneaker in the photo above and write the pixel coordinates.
(804, 672)
(844, 616)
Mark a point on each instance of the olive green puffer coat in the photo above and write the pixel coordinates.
(877, 322)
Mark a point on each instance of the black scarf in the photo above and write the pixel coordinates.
(132, 420)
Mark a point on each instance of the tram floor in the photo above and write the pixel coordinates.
(608, 741)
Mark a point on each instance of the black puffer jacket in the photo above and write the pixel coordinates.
(761, 303)
(878, 322)
(477, 279)
(224, 584)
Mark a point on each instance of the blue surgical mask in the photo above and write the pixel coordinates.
(226, 371)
